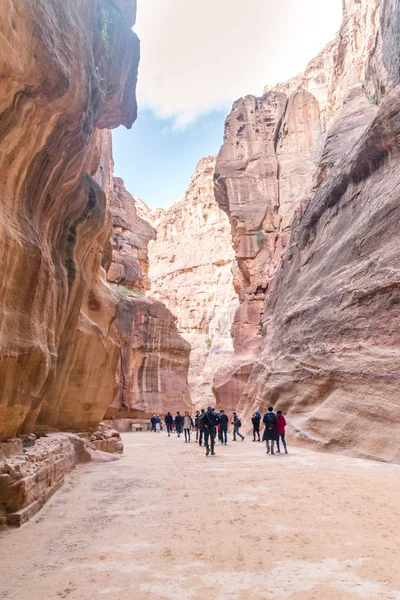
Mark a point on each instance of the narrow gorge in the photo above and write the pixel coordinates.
(274, 280)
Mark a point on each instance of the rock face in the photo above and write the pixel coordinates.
(329, 340)
(68, 70)
(29, 478)
(131, 236)
(154, 359)
(191, 272)
(263, 172)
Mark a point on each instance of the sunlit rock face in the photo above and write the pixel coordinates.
(327, 336)
(68, 70)
(191, 264)
(152, 373)
(264, 171)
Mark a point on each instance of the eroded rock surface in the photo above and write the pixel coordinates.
(328, 335)
(68, 70)
(191, 272)
(154, 359)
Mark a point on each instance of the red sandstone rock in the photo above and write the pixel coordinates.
(131, 236)
(61, 81)
(329, 338)
(154, 361)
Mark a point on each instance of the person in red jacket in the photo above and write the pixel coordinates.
(280, 427)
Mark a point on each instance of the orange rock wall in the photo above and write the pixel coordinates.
(328, 330)
(69, 69)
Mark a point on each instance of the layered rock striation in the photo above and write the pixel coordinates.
(68, 71)
(152, 373)
(191, 272)
(328, 325)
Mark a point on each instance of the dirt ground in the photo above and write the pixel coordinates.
(167, 522)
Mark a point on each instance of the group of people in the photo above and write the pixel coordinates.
(208, 424)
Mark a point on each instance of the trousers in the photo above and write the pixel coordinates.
(209, 438)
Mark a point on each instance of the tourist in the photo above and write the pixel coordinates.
(187, 426)
(169, 421)
(280, 429)
(210, 421)
(256, 420)
(196, 424)
(201, 427)
(178, 423)
(237, 423)
(223, 420)
(270, 433)
(153, 422)
(158, 424)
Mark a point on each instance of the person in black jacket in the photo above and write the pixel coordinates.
(270, 432)
(223, 421)
(178, 423)
(256, 420)
(153, 422)
(210, 420)
(196, 424)
(200, 422)
(169, 420)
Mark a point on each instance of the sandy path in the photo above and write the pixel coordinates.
(166, 522)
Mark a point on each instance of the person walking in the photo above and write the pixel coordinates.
(223, 420)
(237, 423)
(201, 427)
(210, 421)
(187, 425)
(153, 422)
(169, 421)
(280, 429)
(196, 424)
(270, 433)
(256, 420)
(178, 423)
(158, 424)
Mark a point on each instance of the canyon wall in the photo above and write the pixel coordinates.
(152, 372)
(191, 265)
(69, 70)
(328, 329)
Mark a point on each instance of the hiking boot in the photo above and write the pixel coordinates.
(212, 453)
(207, 452)
(253, 440)
(243, 439)
(286, 451)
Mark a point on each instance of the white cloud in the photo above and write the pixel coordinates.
(198, 55)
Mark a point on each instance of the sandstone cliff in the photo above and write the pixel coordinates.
(191, 272)
(68, 70)
(152, 373)
(328, 329)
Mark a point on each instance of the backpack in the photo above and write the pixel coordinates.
(238, 422)
(270, 421)
(212, 419)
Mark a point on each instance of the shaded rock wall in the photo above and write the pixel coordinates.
(153, 358)
(329, 331)
(191, 272)
(131, 235)
(68, 69)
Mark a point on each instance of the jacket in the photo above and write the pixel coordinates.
(223, 419)
(187, 422)
(281, 424)
(178, 421)
(169, 419)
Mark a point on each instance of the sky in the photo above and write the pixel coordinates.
(197, 58)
